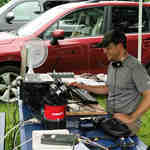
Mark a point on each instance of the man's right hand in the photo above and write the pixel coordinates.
(102, 89)
(76, 84)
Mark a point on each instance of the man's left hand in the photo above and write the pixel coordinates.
(127, 119)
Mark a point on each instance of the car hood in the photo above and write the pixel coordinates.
(7, 37)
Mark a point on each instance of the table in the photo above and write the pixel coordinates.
(26, 131)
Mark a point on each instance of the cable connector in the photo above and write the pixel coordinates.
(33, 120)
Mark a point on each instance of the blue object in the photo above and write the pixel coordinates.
(109, 142)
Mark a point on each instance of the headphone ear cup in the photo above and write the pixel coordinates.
(117, 64)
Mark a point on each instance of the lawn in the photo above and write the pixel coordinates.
(12, 118)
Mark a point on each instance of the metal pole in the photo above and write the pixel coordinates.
(140, 31)
(23, 62)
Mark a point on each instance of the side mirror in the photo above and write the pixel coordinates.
(10, 16)
(57, 35)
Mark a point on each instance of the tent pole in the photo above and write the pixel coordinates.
(140, 31)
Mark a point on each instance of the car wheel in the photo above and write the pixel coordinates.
(8, 87)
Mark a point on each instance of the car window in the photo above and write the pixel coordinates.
(81, 23)
(126, 19)
(26, 10)
(50, 4)
(44, 19)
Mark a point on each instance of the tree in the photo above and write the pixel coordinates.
(2, 2)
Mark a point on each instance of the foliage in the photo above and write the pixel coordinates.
(2, 2)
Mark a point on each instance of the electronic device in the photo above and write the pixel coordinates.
(58, 139)
(38, 77)
(47, 100)
(61, 74)
(84, 95)
(53, 139)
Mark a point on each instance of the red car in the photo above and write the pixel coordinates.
(84, 25)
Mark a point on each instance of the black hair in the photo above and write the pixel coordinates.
(119, 37)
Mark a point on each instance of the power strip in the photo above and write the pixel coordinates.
(39, 135)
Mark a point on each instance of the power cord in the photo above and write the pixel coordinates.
(23, 144)
(33, 121)
(3, 137)
(89, 141)
(29, 122)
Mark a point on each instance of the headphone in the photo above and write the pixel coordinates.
(117, 64)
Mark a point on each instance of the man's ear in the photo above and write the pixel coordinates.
(120, 45)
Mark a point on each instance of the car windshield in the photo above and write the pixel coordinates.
(6, 6)
(36, 24)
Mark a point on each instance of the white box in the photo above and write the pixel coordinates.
(36, 140)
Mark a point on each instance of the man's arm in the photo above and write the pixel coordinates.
(100, 89)
(144, 105)
(141, 109)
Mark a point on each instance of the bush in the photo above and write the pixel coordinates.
(2, 2)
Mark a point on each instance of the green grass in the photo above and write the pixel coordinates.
(12, 117)
(144, 133)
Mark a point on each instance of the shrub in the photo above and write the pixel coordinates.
(2, 2)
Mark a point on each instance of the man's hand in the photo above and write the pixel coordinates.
(127, 119)
(100, 89)
(76, 84)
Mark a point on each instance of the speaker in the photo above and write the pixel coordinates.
(117, 64)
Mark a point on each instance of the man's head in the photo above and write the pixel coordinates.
(114, 44)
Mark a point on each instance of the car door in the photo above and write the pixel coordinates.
(146, 35)
(21, 12)
(125, 18)
(77, 52)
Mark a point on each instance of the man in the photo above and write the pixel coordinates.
(126, 84)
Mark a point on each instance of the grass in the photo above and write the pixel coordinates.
(12, 117)
(144, 133)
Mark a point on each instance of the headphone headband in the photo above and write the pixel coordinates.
(117, 64)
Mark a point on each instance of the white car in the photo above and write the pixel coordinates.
(18, 12)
